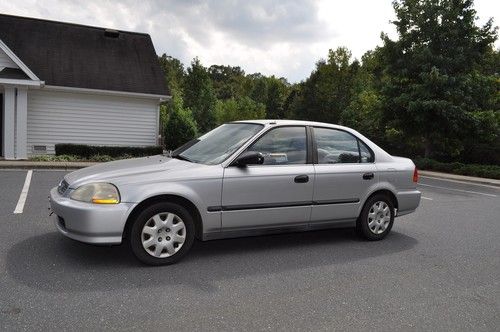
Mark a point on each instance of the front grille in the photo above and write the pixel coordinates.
(63, 186)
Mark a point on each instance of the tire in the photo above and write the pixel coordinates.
(157, 233)
(375, 222)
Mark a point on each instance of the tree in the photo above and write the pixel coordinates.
(173, 70)
(328, 91)
(199, 95)
(228, 81)
(363, 114)
(364, 111)
(180, 126)
(239, 109)
(258, 89)
(432, 84)
(277, 92)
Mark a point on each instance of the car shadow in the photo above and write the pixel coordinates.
(51, 262)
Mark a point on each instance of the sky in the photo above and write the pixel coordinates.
(283, 38)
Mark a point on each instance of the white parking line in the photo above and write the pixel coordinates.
(24, 193)
(460, 190)
(427, 198)
(457, 181)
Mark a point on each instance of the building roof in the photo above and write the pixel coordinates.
(72, 55)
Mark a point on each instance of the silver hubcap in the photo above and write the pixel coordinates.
(163, 235)
(379, 217)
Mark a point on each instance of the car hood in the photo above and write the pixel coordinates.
(122, 170)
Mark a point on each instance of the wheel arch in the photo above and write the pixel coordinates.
(384, 191)
(171, 198)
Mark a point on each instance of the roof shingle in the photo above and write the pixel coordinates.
(72, 55)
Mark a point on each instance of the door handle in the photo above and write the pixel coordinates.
(368, 176)
(301, 179)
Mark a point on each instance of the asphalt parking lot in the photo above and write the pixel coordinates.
(438, 270)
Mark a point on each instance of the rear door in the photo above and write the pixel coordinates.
(345, 170)
(277, 193)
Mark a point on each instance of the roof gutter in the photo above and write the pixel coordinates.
(161, 98)
(19, 82)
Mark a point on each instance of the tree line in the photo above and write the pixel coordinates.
(433, 92)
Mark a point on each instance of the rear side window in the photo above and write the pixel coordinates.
(366, 153)
(340, 147)
(282, 146)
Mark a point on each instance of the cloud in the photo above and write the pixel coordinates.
(266, 36)
(261, 23)
(285, 38)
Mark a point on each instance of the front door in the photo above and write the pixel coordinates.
(345, 171)
(277, 193)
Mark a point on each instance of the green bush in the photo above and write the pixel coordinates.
(180, 127)
(93, 158)
(102, 158)
(48, 157)
(42, 158)
(484, 171)
(87, 151)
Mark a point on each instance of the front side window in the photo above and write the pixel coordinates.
(336, 146)
(217, 145)
(282, 146)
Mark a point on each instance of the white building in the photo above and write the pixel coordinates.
(68, 83)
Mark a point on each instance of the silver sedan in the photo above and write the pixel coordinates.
(242, 178)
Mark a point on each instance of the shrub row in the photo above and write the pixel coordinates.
(68, 157)
(484, 171)
(86, 151)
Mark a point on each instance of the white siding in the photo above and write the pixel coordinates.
(62, 117)
(5, 61)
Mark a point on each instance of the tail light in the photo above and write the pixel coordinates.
(415, 175)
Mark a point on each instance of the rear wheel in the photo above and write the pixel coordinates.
(376, 218)
(162, 234)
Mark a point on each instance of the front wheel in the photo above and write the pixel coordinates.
(376, 218)
(162, 234)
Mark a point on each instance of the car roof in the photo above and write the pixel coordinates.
(292, 122)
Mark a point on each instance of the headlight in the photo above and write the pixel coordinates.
(97, 193)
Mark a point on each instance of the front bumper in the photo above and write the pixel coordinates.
(408, 201)
(90, 223)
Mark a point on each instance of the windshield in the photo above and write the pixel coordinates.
(217, 145)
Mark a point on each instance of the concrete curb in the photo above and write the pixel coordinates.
(461, 178)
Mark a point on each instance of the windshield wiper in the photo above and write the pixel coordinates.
(178, 156)
(184, 147)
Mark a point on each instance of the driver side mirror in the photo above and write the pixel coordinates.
(249, 158)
